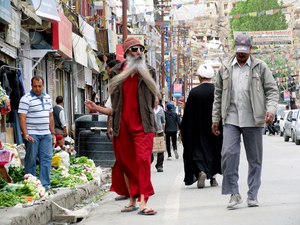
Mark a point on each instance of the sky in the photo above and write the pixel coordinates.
(185, 12)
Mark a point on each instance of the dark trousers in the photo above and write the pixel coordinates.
(172, 135)
(160, 156)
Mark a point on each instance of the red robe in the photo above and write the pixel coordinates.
(133, 147)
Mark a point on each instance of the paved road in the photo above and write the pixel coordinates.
(279, 195)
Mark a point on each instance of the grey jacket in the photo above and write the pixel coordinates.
(263, 91)
(160, 119)
(146, 102)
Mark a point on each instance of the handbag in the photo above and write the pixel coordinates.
(159, 145)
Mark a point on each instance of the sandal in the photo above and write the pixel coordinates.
(130, 208)
(148, 212)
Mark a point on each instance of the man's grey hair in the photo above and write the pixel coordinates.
(134, 64)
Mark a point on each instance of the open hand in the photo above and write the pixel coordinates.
(90, 104)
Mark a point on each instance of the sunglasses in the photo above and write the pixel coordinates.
(135, 49)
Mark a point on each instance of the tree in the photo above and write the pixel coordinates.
(281, 66)
(263, 22)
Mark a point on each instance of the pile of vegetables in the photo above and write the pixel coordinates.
(76, 174)
(81, 171)
(10, 199)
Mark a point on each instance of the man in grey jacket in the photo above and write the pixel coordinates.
(159, 115)
(246, 96)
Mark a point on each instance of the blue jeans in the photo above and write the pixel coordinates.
(17, 129)
(42, 147)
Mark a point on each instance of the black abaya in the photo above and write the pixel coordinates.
(202, 149)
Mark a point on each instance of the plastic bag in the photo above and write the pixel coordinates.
(65, 158)
(56, 160)
(5, 157)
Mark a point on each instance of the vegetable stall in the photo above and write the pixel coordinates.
(67, 171)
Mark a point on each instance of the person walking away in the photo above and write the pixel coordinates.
(160, 122)
(37, 125)
(246, 96)
(171, 128)
(132, 90)
(201, 148)
(59, 117)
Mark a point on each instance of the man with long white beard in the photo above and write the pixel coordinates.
(132, 90)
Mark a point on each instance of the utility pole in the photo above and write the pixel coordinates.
(171, 69)
(162, 52)
(178, 60)
(124, 16)
(184, 81)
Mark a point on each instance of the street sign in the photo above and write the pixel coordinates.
(286, 96)
(177, 90)
(181, 101)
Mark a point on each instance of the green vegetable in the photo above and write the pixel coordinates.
(16, 173)
(12, 188)
(10, 199)
(27, 190)
(37, 171)
(57, 151)
(76, 170)
(3, 183)
(72, 158)
(88, 175)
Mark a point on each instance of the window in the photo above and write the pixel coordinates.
(207, 5)
(225, 6)
(225, 14)
(233, 5)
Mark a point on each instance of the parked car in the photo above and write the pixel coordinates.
(282, 120)
(289, 125)
(297, 130)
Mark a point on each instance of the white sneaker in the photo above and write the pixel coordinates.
(252, 203)
(176, 154)
(169, 158)
(235, 199)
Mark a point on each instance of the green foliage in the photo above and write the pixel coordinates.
(279, 64)
(264, 22)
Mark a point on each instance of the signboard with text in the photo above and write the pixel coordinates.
(46, 9)
(120, 53)
(286, 96)
(5, 12)
(13, 31)
(79, 47)
(269, 37)
(177, 90)
(89, 33)
(62, 37)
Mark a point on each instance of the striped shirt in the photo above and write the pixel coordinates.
(37, 110)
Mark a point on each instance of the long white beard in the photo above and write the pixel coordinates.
(134, 64)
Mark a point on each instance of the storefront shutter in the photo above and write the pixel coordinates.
(80, 76)
(88, 76)
(7, 49)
